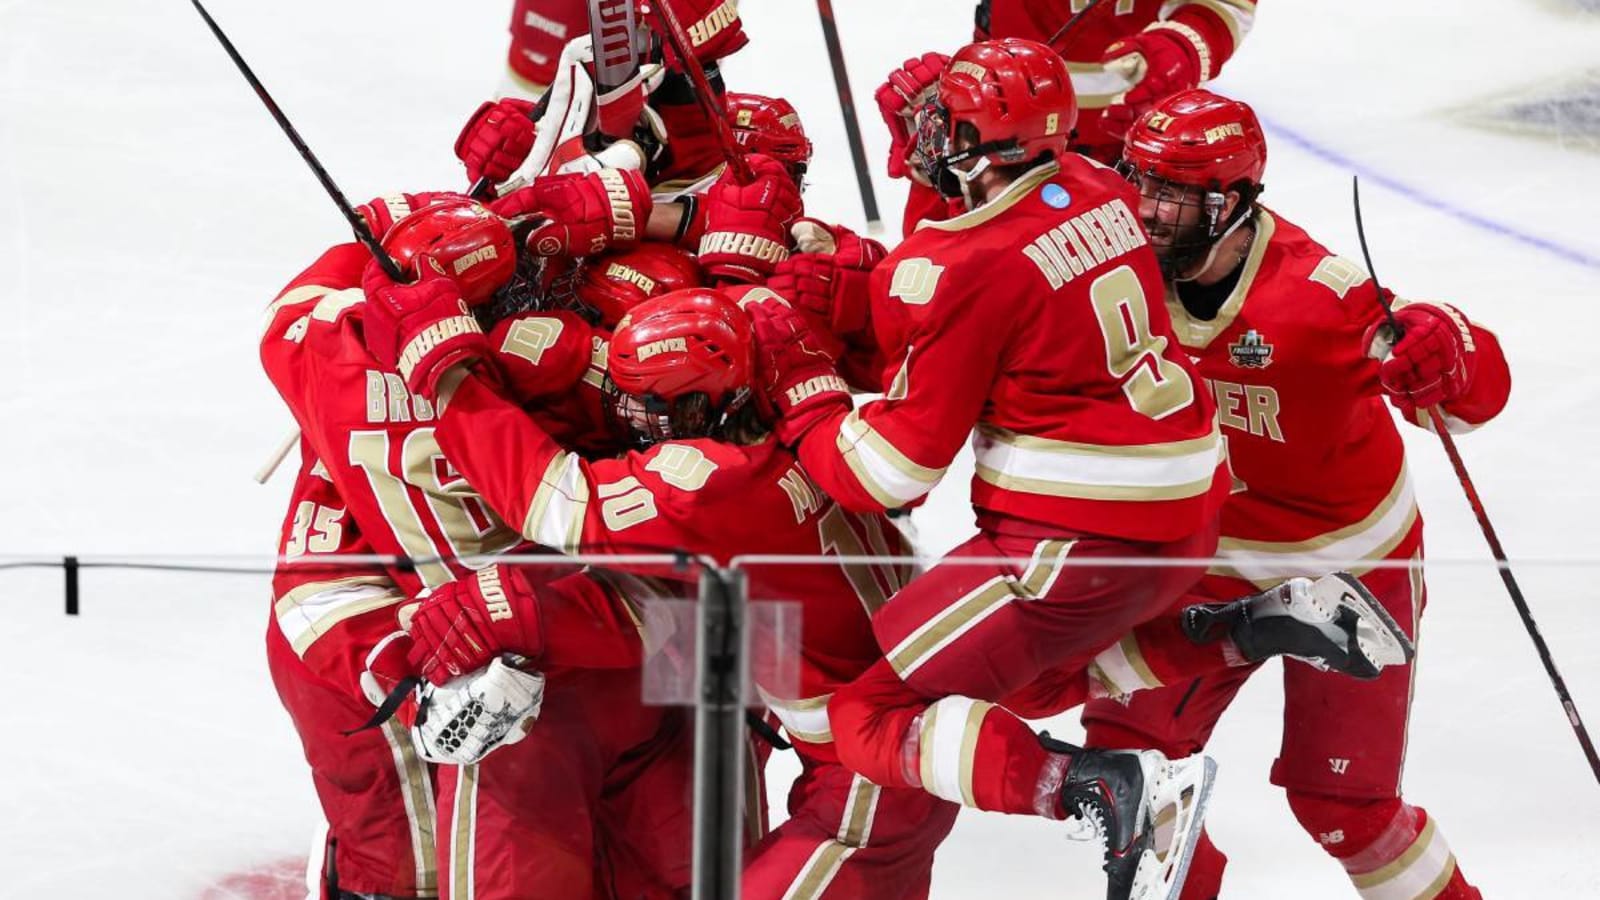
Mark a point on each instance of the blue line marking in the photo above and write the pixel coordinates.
(1572, 255)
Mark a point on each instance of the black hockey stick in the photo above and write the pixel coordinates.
(847, 106)
(357, 224)
(1476, 502)
(1067, 26)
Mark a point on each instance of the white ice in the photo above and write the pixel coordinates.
(151, 209)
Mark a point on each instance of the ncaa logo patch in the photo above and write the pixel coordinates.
(1055, 196)
(1251, 351)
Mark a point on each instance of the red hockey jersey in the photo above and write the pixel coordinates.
(1037, 319)
(706, 497)
(1318, 465)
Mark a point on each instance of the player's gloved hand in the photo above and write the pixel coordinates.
(460, 722)
(1433, 361)
(797, 378)
(713, 27)
(747, 225)
(381, 213)
(827, 278)
(497, 139)
(419, 329)
(899, 98)
(387, 668)
(587, 213)
(462, 625)
(1160, 61)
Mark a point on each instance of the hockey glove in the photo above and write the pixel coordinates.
(462, 625)
(497, 139)
(798, 380)
(747, 225)
(419, 329)
(386, 669)
(381, 213)
(899, 97)
(827, 279)
(586, 214)
(1165, 58)
(1433, 361)
(460, 722)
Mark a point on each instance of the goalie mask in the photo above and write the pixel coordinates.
(680, 366)
(1185, 156)
(997, 103)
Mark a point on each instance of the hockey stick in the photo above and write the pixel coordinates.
(852, 124)
(1067, 26)
(357, 224)
(703, 94)
(1476, 502)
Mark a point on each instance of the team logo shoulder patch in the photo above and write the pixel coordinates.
(1055, 196)
(1251, 351)
(915, 280)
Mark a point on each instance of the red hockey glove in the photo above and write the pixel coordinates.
(419, 329)
(386, 666)
(828, 279)
(1161, 60)
(797, 378)
(899, 98)
(747, 225)
(1434, 360)
(713, 28)
(381, 213)
(496, 139)
(587, 213)
(463, 625)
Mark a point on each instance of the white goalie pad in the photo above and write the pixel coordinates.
(463, 720)
(1178, 795)
(558, 139)
(771, 652)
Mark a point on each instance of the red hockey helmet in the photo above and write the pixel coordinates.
(1199, 139)
(681, 363)
(769, 125)
(609, 286)
(1185, 154)
(1016, 94)
(472, 244)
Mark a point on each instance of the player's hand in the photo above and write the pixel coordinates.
(386, 669)
(747, 225)
(828, 279)
(381, 213)
(798, 381)
(462, 625)
(899, 98)
(586, 213)
(461, 722)
(1160, 62)
(497, 139)
(1433, 361)
(419, 329)
(712, 34)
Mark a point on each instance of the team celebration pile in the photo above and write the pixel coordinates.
(632, 337)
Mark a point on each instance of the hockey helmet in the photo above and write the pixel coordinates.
(604, 288)
(472, 245)
(680, 364)
(769, 125)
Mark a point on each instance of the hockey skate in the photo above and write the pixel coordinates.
(1333, 623)
(1145, 809)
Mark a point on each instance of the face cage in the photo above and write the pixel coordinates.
(564, 294)
(1179, 247)
(650, 419)
(520, 294)
(931, 132)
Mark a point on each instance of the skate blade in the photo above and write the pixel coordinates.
(1378, 636)
(1184, 799)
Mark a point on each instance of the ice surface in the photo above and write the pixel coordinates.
(151, 210)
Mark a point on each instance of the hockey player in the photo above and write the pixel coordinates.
(709, 480)
(1285, 333)
(375, 438)
(1124, 55)
(1034, 317)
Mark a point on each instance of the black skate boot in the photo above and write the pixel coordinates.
(1333, 623)
(1145, 809)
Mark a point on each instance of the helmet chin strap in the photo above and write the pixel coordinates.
(1211, 255)
(965, 180)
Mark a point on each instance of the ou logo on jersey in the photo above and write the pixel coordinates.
(914, 280)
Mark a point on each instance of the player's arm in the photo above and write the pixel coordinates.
(1442, 359)
(891, 452)
(1183, 49)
